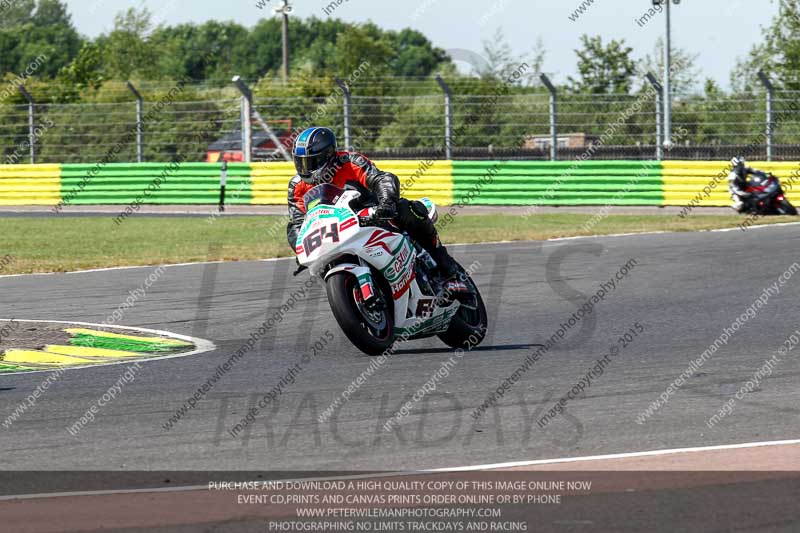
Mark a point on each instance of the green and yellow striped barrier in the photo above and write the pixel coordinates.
(705, 183)
(30, 184)
(444, 182)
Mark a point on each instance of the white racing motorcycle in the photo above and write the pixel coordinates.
(381, 285)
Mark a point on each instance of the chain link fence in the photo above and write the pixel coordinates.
(403, 119)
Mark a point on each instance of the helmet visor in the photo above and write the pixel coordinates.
(308, 164)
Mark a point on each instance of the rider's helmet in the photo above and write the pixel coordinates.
(314, 152)
(738, 165)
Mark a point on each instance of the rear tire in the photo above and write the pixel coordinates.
(468, 327)
(786, 208)
(370, 332)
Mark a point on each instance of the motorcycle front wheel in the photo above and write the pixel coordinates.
(371, 331)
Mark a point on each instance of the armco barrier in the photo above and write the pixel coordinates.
(705, 183)
(30, 184)
(153, 183)
(557, 182)
(445, 182)
(433, 179)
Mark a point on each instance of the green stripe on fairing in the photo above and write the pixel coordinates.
(128, 345)
(394, 253)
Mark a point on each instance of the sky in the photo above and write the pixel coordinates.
(720, 31)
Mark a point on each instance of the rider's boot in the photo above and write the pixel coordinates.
(414, 218)
(453, 283)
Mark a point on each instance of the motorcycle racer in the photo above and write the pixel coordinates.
(318, 161)
(737, 182)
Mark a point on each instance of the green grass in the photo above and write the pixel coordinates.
(63, 244)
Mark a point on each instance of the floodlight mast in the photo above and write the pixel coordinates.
(284, 10)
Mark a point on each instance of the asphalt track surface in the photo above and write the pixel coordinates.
(685, 288)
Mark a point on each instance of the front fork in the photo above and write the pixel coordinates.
(366, 285)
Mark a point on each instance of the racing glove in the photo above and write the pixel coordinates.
(387, 208)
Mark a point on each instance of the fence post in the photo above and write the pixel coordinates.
(246, 119)
(223, 182)
(31, 122)
(347, 104)
(139, 122)
(448, 117)
(770, 111)
(659, 115)
(553, 116)
(248, 112)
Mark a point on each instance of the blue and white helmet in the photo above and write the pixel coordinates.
(314, 151)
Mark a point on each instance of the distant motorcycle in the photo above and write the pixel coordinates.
(767, 196)
(382, 285)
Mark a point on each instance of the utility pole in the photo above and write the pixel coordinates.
(284, 10)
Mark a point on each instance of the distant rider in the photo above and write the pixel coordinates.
(737, 182)
(318, 161)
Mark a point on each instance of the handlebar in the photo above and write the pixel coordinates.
(373, 220)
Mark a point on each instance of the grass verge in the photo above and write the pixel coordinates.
(62, 244)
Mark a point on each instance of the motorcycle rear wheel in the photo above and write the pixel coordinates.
(372, 332)
(468, 327)
(786, 208)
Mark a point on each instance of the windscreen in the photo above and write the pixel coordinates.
(325, 194)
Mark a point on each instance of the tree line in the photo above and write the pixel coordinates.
(71, 68)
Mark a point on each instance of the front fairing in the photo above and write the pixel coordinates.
(325, 229)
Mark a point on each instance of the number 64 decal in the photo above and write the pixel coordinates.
(314, 239)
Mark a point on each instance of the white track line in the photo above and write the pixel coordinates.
(201, 345)
(554, 239)
(168, 265)
(492, 466)
(619, 456)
